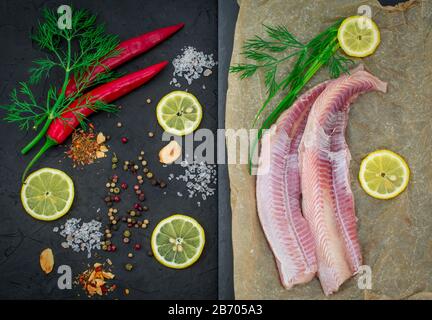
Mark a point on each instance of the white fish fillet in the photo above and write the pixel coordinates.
(328, 203)
(279, 197)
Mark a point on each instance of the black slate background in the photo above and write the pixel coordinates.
(22, 238)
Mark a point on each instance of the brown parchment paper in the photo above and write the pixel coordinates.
(395, 235)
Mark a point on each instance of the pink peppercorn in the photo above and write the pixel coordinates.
(137, 246)
(124, 140)
(124, 186)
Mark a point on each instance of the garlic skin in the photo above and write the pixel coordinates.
(170, 153)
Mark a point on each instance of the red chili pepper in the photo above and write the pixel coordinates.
(129, 49)
(61, 128)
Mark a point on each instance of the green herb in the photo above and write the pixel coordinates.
(259, 50)
(320, 51)
(76, 51)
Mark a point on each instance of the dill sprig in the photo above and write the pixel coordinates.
(260, 50)
(310, 57)
(76, 51)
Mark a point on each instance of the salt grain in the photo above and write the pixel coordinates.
(81, 237)
(200, 179)
(190, 65)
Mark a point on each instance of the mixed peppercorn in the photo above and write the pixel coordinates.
(134, 217)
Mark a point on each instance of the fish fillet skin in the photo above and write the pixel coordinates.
(279, 196)
(324, 157)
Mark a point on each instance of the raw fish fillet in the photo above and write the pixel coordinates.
(328, 203)
(279, 195)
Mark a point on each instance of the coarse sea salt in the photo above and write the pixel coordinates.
(79, 236)
(200, 179)
(190, 65)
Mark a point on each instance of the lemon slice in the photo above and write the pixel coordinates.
(358, 36)
(179, 113)
(178, 241)
(47, 194)
(384, 174)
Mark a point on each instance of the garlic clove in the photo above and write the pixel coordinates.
(170, 153)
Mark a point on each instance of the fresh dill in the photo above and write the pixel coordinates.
(76, 51)
(260, 50)
(310, 57)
